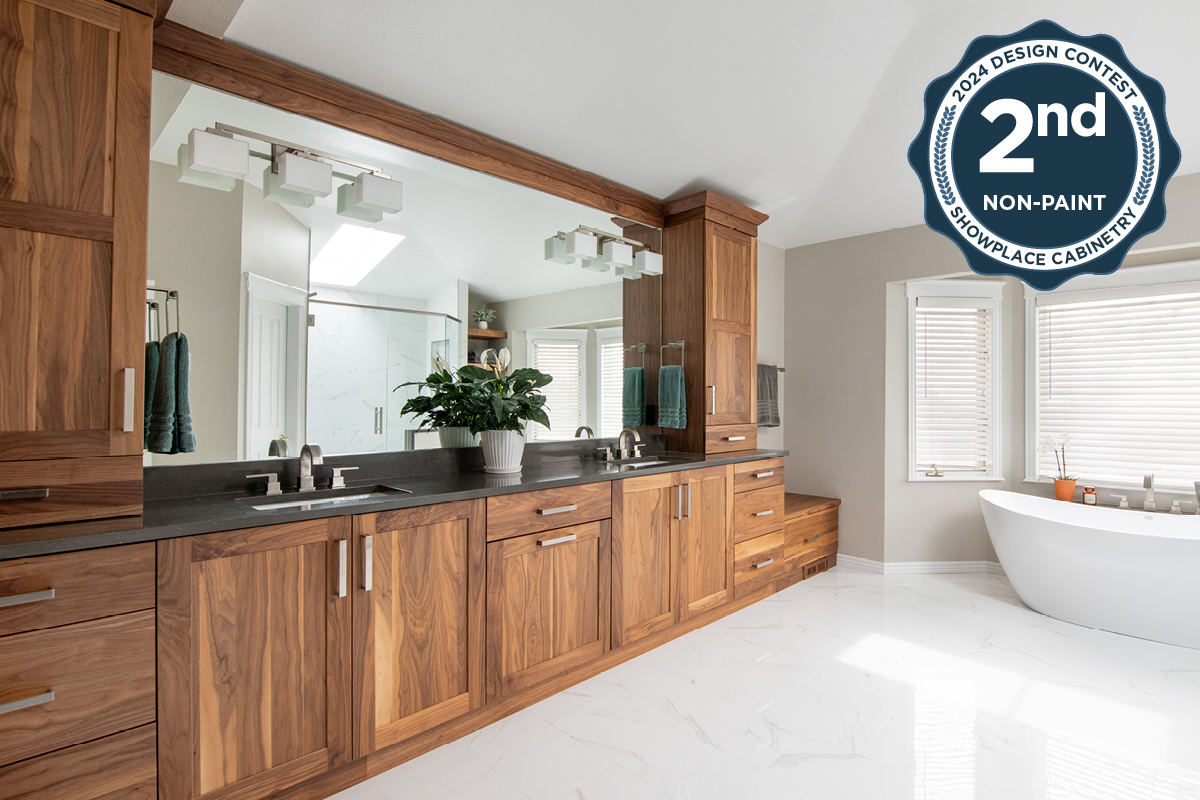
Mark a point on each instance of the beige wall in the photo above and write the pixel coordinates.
(846, 406)
(771, 341)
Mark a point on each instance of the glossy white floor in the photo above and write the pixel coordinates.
(851, 686)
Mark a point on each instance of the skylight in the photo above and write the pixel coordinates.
(351, 254)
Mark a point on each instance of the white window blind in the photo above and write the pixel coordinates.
(1119, 371)
(953, 382)
(612, 377)
(562, 359)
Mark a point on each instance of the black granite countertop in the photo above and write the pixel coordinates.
(165, 517)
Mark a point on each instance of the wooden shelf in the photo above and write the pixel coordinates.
(801, 505)
(486, 333)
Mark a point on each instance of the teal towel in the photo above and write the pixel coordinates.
(185, 438)
(633, 397)
(161, 434)
(672, 405)
(151, 375)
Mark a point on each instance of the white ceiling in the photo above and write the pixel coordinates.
(803, 109)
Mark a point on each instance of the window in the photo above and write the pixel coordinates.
(954, 369)
(612, 380)
(560, 354)
(1118, 369)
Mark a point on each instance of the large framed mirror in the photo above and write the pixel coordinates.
(315, 271)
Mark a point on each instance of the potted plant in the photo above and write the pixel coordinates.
(443, 408)
(1064, 484)
(484, 316)
(500, 405)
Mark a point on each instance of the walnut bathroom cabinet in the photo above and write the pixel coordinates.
(705, 540)
(74, 166)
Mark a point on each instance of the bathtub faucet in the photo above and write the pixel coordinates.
(1148, 484)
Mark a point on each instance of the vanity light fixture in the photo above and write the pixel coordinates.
(582, 245)
(556, 250)
(346, 207)
(617, 254)
(351, 254)
(629, 273)
(378, 192)
(648, 262)
(303, 174)
(276, 193)
(218, 153)
(614, 251)
(209, 180)
(595, 265)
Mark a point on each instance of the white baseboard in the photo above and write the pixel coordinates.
(919, 567)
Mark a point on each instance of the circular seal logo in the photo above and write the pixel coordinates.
(1044, 155)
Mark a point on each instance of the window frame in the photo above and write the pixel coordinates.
(562, 335)
(1149, 281)
(604, 336)
(987, 293)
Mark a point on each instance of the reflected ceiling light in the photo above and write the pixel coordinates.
(595, 265)
(582, 245)
(306, 175)
(346, 206)
(556, 250)
(378, 193)
(648, 262)
(274, 192)
(629, 273)
(185, 174)
(217, 153)
(351, 254)
(617, 254)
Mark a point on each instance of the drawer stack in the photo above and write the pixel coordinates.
(77, 675)
(810, 536)
(758, 511)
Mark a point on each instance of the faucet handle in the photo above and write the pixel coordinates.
(1124, 500)
(273, 487)
(338, 481)
(607, 452)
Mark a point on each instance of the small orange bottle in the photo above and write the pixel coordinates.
(1089, 495)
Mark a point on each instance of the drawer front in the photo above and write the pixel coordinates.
(69, 685)
(730, 438)
(69, 489)
(757, 512)
(810, 534)
(757, 560)
(48, 591)
(758, 474)
(117, 767)
(546, 509)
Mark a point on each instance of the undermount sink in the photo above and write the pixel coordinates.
(642, 463)
(322, 498)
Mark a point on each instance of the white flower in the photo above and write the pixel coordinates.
(505, 358)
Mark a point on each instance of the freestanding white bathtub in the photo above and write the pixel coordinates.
(1119, 570)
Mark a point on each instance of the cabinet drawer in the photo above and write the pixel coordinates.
(809, 534)
(757, 560)
(730, 438)
(546, 509)
(757, 474)
(48, 591)
(756, 512)
(69, 489)
(68, 685)
(117, 767)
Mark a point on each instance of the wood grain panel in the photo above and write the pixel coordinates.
(683, 319)
(757, 474)
(730, 438)
(42, 219)
(729, 379)
(88, 584)
(102, 676)
(117, 767)
(706, 540)
(712, 206)
(747, 508)
(94, 12)
(645, 555)
(547, 605)
(80, 488)
(750, 567)
(522, 513)
(810, 534)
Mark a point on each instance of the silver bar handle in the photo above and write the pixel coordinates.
(679, 502)
(368, 562)
(766, 513)
(763, 564)
(28, 702)
(764, 474)
(28, 597)
(545, 512)
(713, 391)
(341, 568)
(813, 539)
(560, 540)
(689, 487)
(734, 438)
(24, 494)
(130, 376)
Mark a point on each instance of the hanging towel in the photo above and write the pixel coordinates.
(185, 438)
(151, 375)
(160, 437)
(633, 397)
(768, 396)
(672, 408)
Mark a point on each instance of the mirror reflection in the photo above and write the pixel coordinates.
(314, 271)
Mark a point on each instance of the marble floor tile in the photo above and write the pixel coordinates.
(850, 686)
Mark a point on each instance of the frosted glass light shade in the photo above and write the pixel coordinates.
(276, 193)
(617, 254)
(581, 245)
(629, 273)
(378, 194)
(185, 174)
(347, 207)
(648, 262)
(595, 265)
(305, 175)
(220, 155)
(556, 251)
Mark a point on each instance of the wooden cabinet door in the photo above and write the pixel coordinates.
(418, 620)
(253, 659)
(706, 540)
(74, 167)
(731, 278)
(645, 556)
(547, 605)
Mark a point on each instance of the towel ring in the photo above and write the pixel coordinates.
(640, 347)
(674, 346)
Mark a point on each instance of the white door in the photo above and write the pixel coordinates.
(267, 385)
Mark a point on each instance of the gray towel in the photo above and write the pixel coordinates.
(633, 397)
(672, 403)
(185, 438)
(768, 396)
(170, 428)
(151, 375)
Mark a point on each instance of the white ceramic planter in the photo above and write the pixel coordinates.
(502, 450)
(482, 325)
(457, 437)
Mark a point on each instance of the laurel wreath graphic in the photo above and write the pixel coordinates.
(1147, 178)
(939, 155)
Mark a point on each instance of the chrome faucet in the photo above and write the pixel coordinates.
(310, 454)
(590, 433)
(1148, 485)
(633, 451)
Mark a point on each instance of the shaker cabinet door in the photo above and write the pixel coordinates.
(706, 540)
(645, 557)
(731, 278)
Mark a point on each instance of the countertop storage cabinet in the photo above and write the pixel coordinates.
(74, 166)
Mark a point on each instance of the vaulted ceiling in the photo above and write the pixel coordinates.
(802, 109)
